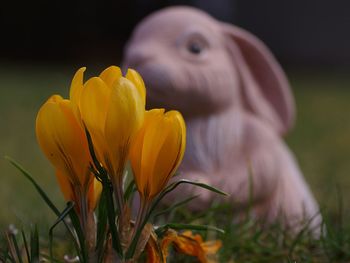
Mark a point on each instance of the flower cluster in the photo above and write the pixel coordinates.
(90, 137)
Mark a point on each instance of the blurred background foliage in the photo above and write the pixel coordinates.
(44, 42)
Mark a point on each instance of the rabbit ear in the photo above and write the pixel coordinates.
(265, 89)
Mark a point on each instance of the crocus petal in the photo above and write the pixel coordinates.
(135, 153)
(67, 189)
(178, 137)
(167, 157)
(155, 133)
(135, 78)
(139, 152)
(94, 194)
(65, 185)
(157, 150)
(124, 118)
(76, 86)
(154, 140)
(55, 98)
(181, 121)
(49, 118)
(110, 75)
(62, 139)
(94, 102)
(112, 109)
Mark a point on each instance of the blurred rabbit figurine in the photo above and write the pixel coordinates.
(237, 104)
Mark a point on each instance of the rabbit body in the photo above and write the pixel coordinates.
(255, 167)
(237, 105)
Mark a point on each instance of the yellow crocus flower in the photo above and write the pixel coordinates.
(157, 151)
(62, 139)
(112, 109)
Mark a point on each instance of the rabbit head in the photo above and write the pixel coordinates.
(200, 66)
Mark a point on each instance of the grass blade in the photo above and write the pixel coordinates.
(44, 196)
(80, 233)
(15, 244)
(65, 212)
(101, 227)
(172, 186)
(34, 246)
(167, 190)
(176, 205)
(37, 187)
(9, 252)
(107, 190)
(25, 245)
(111, 218)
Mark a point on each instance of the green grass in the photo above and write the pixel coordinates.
(321, 138)
(320, 141)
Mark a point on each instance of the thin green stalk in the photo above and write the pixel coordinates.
(107, 191)
(102, 176)
(141, 221)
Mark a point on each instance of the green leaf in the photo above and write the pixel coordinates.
(107, 191)
(167, 190)
(37, 187)
(160, 230)
(80, 234)
(34, 246)
(25, 245)
(172, 187)
(92, 151)
(8, 252)
(8, 257)
(15, 244)
(101, 227)
(2, 259)
(45, 198)
(250, 205)
(176, 205)
(131, 249)
(65, 212)
(302, 231)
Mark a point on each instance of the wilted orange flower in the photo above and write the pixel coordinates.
(186, 243)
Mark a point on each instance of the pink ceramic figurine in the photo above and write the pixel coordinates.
(237, 105)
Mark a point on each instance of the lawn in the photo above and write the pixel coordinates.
(320, 141)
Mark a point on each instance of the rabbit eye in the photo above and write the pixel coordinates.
(194, 44)
(194, 48)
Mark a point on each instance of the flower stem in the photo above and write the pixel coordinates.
(139, 224)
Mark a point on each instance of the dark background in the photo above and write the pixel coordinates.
(307, 33)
